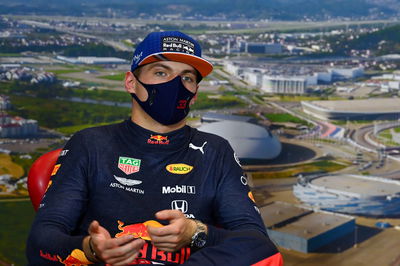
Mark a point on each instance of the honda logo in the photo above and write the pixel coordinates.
(181, 205)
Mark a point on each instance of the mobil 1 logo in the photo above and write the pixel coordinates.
(182, 189)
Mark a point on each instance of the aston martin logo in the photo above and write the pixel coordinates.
(127, 182)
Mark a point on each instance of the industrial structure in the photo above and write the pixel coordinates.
(16, 127)
(366, 109)
(303, 229)
(351, 194)
(290, 79)
(252, 143)
(92, 60)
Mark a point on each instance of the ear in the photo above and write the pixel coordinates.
(130, 82)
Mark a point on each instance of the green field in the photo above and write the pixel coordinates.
(118, 77)
(226, 101)
(15, 221)
(283, 118)
(72, 129)
(386, 137)
(52, 113)
(64, 71)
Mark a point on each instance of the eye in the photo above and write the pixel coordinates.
(188, 78)
(160, 73)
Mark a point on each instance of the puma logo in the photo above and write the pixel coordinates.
(200, 148)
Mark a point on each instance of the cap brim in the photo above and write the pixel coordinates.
(200, 64)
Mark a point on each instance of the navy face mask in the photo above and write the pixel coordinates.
(168, 102)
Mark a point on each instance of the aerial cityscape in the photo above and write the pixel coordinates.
(309, 101)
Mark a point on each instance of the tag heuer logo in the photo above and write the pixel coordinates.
(129, 165)
(179, 168)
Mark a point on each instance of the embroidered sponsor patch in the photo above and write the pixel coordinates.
(158, 139)
(127, 182)
(129, 165)
(77, 257)
(179, 168)
(55, 169)
(138, 230)
(177, 44)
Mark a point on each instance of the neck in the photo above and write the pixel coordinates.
(141, 118)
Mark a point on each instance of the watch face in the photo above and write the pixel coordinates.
(200, 240)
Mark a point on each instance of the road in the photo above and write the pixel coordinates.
(116, 45)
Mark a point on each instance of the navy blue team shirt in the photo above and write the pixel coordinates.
(122, 174)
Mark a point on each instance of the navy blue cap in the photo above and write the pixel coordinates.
(170, 46)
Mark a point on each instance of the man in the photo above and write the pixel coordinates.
(151, 190)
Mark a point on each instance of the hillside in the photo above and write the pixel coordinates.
(385, 41)
(223, 9)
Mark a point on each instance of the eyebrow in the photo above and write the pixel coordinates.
(160, 64)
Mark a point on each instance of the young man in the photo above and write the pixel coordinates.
(151, 190)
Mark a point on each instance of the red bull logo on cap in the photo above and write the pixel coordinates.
(158, 139)
(129, 165)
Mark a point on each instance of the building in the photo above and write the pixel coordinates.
(92, 60)
(351, 194)
(251, 143)
(303, 229)
(260, 48)
(346, 73)
(284, 85)
(17, 127)
(289, 78)
(383, 109)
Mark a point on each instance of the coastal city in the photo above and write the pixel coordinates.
(311, 108)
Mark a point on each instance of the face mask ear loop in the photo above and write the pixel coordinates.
(150, 93)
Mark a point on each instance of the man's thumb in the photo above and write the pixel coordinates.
(94, 228)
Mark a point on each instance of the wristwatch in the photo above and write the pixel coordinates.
(199, 238)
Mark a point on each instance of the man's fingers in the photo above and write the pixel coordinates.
(165, 239)
(119, 241)
(125, 253)
(169, 214)
(126, 261)
(168, 247)
(171, 229)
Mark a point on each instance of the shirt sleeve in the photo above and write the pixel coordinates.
(52, 238)
(241, 237)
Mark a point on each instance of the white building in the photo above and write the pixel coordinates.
(394, 85)
(347, 73)
(284, 85)
(233, 68)
(253, 77)
(92, 60)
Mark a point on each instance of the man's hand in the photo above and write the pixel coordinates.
(174, 236)
(113, 251)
